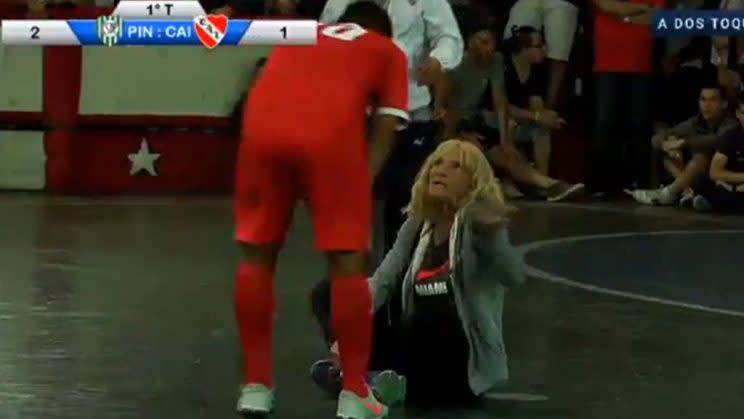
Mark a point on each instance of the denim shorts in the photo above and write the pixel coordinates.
(526, 132)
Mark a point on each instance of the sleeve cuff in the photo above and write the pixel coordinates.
(401, 114)
(385, 110)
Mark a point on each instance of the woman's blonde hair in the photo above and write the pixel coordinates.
(485, 191)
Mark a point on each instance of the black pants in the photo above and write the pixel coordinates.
(385, 342)
(414, 145)
(622, 131)
(720, 198)
(388, 352)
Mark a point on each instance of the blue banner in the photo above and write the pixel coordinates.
(155, 32)
(670, 23)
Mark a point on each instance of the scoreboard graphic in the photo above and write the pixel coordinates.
(147, 22)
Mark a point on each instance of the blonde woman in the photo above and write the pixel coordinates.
(439, 292)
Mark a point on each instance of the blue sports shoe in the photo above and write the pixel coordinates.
(326, 373)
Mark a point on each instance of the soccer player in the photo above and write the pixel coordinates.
(304, 136)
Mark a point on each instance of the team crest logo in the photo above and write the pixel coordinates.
(210, 29)
(109, 29)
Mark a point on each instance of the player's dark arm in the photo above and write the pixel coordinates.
(441, 92)
(384, 128)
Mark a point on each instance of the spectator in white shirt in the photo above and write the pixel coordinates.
(426, 30)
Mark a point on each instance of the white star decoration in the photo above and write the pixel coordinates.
(143, 160)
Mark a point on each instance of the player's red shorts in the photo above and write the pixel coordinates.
(332, 175)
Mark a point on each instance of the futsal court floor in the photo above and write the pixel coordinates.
(113, 308)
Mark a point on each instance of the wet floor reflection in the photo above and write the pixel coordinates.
(125, 311)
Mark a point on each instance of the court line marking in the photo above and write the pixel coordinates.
(642, 210)
(532, 271)
(516, 397)
(647, 211)
(15, 201)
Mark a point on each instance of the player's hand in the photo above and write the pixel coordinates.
(36, 9)
(285, 7)
(673, 144)
(551, 119)
(635, 8)
(645, 18)
(429, 72)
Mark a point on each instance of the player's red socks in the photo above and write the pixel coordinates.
(351, 316)
(254, 308)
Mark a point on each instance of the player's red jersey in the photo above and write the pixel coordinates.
(325, 90)
(304, 136)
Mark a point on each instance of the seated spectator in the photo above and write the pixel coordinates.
(426, 297)
(559, 19)
(525, 80)
(724, 190)
(687, 147)
(481, 74)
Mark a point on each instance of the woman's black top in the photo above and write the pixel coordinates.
(435, 346)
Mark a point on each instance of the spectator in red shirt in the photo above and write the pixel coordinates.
(623, 64)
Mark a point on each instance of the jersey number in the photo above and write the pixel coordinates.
(344, 32)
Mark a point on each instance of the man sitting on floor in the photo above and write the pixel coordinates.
(724, 191)
(687, 149)
(478, 79)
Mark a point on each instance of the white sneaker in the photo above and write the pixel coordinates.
(255, 399)
(351, 406)
(645, 196)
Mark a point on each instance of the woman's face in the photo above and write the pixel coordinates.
(535, 52)
(448, 181)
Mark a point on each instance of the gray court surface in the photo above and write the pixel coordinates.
(122, 308)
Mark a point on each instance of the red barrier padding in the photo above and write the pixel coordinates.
(170, 121)
(98, 162)
(63, 69)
